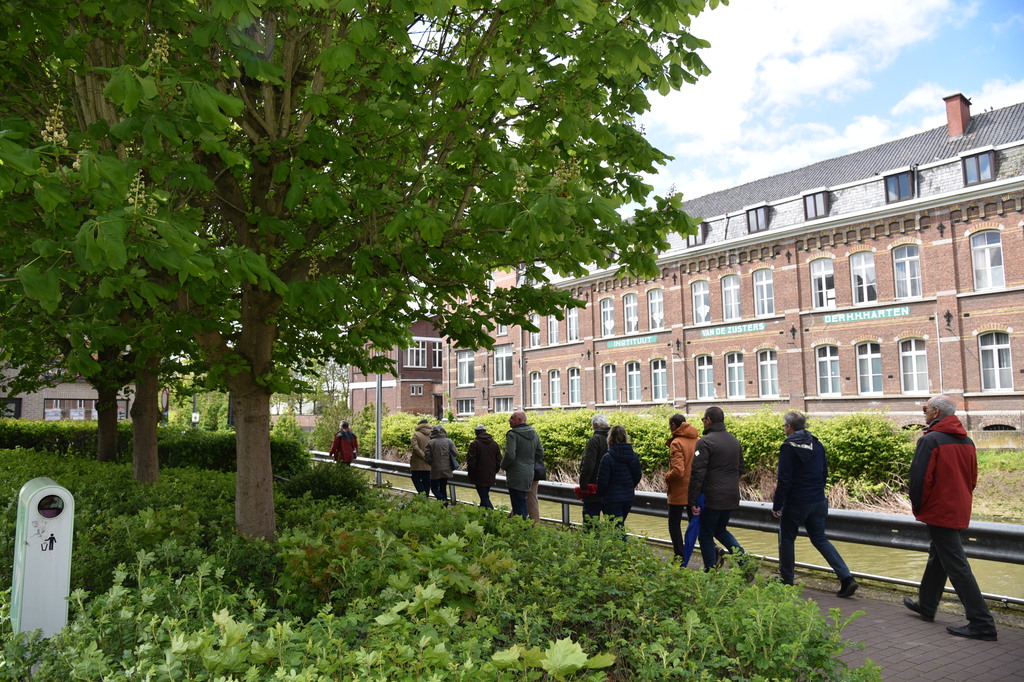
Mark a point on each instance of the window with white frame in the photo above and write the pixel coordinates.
(862, 275)
(438, 352)
(575, 387)
(764, 292)
(634, 392)
(503, 364)
(869, 368)
(705, 377)
(979, 168)
(913, 366)
(535, 335)
(996, 374)
(552, 329)
(415, 389)
(465, 369)
(906, 267)
(700, 294)
(572, 324)
(503, 404)
(734, 375)
(465, 406)
(536, 390)
(554, 387)
(416, 356)
(828, 370)
(655, 309)
(631, 313)
(987, 254)
(731, 297)
(768, 373)
(502, 330)
(659, 380)
(823, 283)
(611, 385)
(607, 317)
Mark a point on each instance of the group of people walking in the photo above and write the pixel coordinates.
(703, 480)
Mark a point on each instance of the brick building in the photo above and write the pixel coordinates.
(871, 280)
(74, 400)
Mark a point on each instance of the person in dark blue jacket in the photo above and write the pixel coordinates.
(618, 475)
(799, 500)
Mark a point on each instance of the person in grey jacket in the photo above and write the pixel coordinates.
(716, 470)
(589, 465)
(438, 455)
(522, 447)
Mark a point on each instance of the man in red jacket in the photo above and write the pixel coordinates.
(942, 479)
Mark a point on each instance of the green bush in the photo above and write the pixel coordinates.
(866, 446)
(324, 480)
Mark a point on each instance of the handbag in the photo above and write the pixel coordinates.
(454, 462)
(540, 472)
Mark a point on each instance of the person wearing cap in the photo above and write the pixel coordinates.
(418, 466)
(482, 463)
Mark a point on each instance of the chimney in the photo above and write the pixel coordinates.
(958, 114)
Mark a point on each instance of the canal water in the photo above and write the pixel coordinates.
(994, 577)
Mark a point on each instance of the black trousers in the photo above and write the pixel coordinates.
(946, 559)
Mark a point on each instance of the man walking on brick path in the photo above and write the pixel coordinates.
(716, 470)
(942, 479)
(799, 500)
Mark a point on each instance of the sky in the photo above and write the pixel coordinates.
(798, 81)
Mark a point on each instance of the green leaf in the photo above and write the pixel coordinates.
(42, 286)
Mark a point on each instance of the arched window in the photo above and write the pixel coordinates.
(705, 377)
(768, 374)
(996, 374)
(913, 366)
(828, 370)
(869, 368)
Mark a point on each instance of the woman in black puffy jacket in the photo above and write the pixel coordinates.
(618, 475)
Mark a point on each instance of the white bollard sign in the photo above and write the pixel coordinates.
(42, 557)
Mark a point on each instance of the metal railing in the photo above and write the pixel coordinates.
(1002, 542)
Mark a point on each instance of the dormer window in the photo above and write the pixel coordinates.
(700, 237)
(979, 168)
(757, 219)
(899, 187)
(816, 205)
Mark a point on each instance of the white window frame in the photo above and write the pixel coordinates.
(764, 292)
(995, 361)
(862, 278)
(659, 380)
(634, 388)
(416, 356)
(656, 309)
(554, 387)
(869, 368)
(987, 257)
(503, 404)
(552, 330)
(731, 305)
(913, 366)
(438, 354)
(823, 284)
(768, 373)
(465, 368)
(700, 296)
(607, 317)
(415, 389)
(572, 324)
(610, 383)
(501, 330)
(536, 390)
(631, 313)
(465, 406)
(906, 271)
(705, 366)
(503, 366)
(826, 361)
(575, 387)
(735, 381)
(535, 335)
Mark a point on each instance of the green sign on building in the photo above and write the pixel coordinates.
(638, 341)
(864, 315)
(734, 329)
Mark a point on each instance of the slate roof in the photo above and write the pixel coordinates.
(986, 128)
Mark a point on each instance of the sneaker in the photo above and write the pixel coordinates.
(847, 588)
(916, 608)
(972, 631)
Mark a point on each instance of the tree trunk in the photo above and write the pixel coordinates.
(145, 417)
(254, 490)
(106, 423)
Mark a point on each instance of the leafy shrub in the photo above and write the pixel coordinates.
(77, 438)
(324, 480)
(865, 446)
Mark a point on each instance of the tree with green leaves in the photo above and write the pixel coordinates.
(286, 182)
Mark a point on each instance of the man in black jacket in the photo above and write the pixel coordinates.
(591, 464)
(717, 467)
